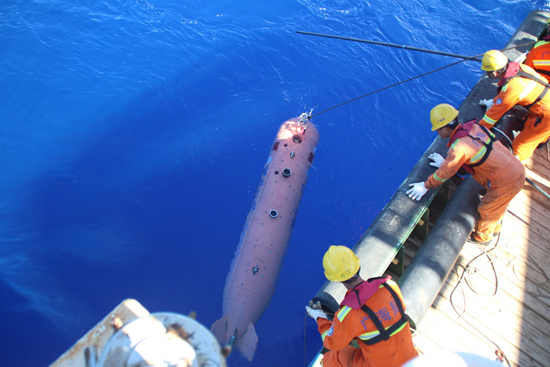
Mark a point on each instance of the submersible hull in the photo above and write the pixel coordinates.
(258, 260)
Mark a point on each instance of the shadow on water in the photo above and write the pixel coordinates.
(145, 210)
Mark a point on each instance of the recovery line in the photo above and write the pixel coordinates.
(415, 77)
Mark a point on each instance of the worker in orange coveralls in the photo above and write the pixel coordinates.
(539, 56)
(372, 314)
(475, 149)
(519, 84)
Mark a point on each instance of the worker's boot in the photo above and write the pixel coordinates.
(478, 239)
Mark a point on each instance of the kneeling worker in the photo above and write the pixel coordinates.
(475, 149)
(372, 313)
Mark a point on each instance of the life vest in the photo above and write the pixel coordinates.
(514, 71)
(510, 72)
(383, 333)
(464, 130)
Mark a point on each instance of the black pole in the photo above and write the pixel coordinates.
(434, 261)
(392, 45)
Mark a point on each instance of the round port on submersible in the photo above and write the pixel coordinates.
(297, 139)
(287, 172)
(273, 213)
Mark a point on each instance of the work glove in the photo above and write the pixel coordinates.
(487, 103)
(417, 191)
(314, 310)
(437, 159)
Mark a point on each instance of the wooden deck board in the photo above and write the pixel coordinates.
(516, 318)
(503, 306)
(533, 207)
(519, 277)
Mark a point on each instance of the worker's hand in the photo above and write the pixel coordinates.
(315, 314)
(315, 305)
(314, 310)
(486, 102)
(417, 191)
(437, 159)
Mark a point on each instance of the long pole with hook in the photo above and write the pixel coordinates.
(391, 45)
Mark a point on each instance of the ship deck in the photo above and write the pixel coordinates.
(499, 300)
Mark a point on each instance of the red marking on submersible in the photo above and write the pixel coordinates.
(259, 257)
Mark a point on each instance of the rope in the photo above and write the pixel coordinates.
(390, 86)
(305, 329)
(498, 352)
(413, 78)
(467, 270)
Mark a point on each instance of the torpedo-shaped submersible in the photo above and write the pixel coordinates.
(259, 257)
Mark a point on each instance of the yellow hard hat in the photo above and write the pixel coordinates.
(493, 60)
(442, 115)
(340, 263)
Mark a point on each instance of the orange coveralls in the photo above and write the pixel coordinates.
(349, 324)
(502, 174)
(523, 91)
(539, 58)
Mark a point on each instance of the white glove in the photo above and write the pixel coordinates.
(437, 159)
(315, 313)
(487, 103)
(417, 191)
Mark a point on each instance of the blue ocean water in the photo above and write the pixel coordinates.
(134, 134)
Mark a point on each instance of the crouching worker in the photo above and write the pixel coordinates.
(475, 149)
(518, 85)
(372, 314)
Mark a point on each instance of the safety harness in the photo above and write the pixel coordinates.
(385, 334)
(464, 130)
(514, 71)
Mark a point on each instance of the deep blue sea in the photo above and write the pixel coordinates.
(133, 135)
